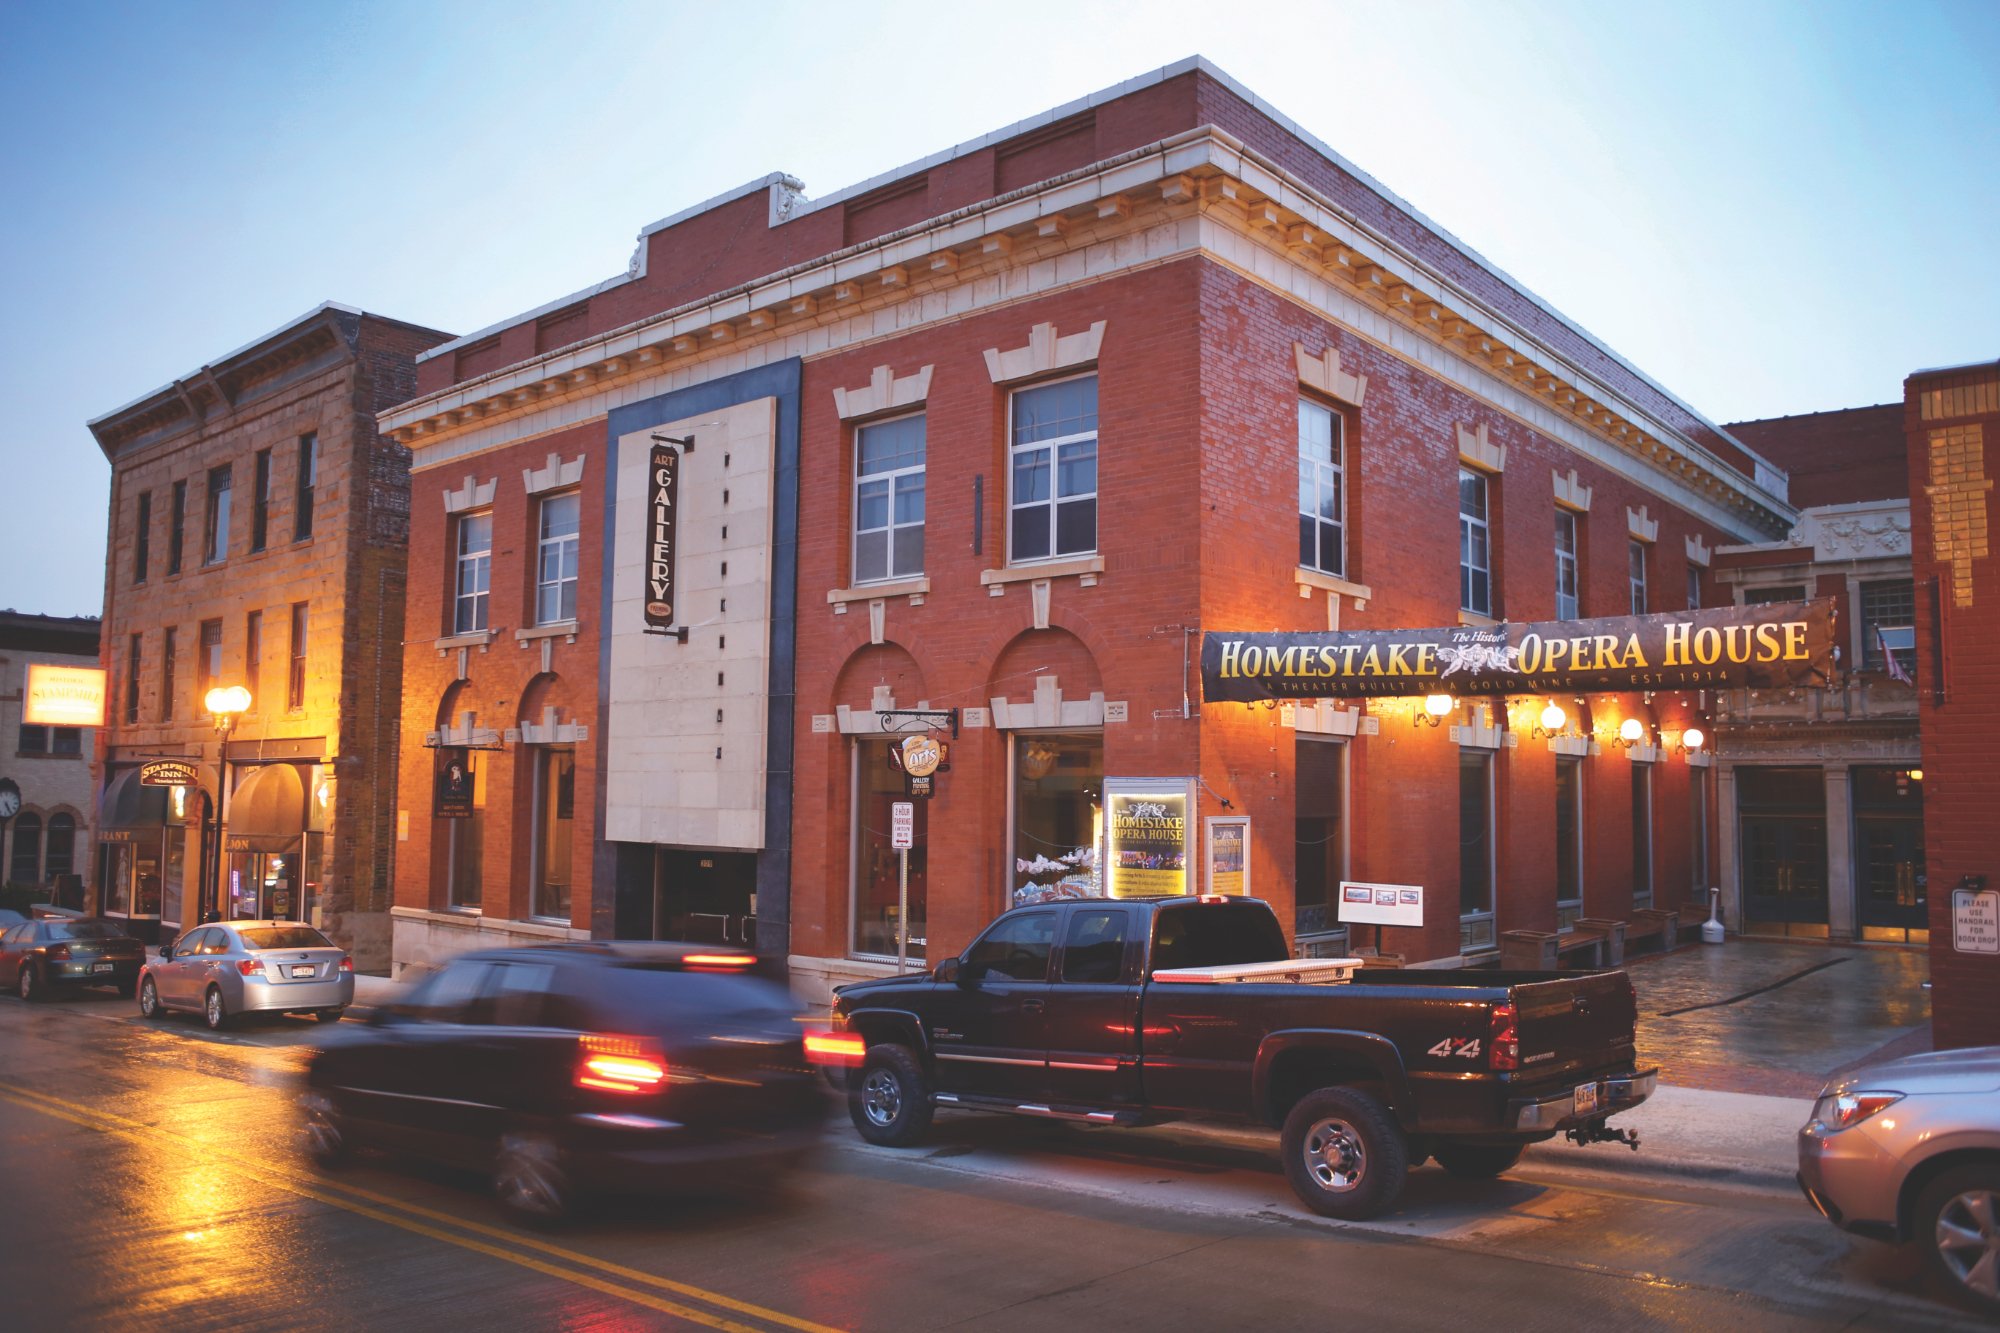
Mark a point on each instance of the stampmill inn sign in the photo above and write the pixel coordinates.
(1759, 647)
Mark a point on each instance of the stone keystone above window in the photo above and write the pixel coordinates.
(555, 475)
(1044, 353)
(1572, 494)
(474, 494)
(1698, 551)
(1475, 450)
(1641, 527)
(1323, 372)
(884, 392)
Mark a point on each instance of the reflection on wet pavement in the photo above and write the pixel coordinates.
(1785, 1040)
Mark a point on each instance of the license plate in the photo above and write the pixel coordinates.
(101, 967)
(1586, 1098)
(302, 969)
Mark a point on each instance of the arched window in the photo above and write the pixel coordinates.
(25, 867)
(62, 845)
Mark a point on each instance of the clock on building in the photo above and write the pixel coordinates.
(10, 798)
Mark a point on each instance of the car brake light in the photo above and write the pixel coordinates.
(620, 1064)
(347, 962)
(1503, 1041)
(59, 952)
(844, 1049)
(718, 960)
(250, 967)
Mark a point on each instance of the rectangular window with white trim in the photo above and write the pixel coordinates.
(889, 500)
(474, 572)
(1889, 625)
(1642, 835)
(556, 558)
(1636, 578)
(1322, 489)
(1475, 544)
(1476, 863)
(1052, 474)
(1567, 601)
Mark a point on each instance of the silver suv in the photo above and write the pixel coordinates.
(1910, 1151)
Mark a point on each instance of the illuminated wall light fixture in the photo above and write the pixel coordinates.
(1436, 708)
(1630, 732)
(1692, 739)
(1552, 721)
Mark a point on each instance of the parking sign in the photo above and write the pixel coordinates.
(902, 825)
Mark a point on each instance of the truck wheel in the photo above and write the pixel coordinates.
(1957, 1222)
(1344, 1153)
(891, 1102)
(1479, 1161)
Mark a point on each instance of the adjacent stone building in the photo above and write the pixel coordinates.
(47, 844)
(258, 538)
(979, 447)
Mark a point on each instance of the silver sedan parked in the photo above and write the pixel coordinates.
(242, 967)
(1909, 1150)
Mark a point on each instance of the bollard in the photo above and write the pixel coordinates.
(1711, 929)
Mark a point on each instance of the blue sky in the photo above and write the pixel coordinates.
(1769, 208)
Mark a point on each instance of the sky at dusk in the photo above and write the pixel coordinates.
(1768, 208)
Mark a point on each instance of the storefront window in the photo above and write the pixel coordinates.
(1569, 841)
(555, 817)
(1642, 835)
(1058, 817)
(464, 838)
(1318, 797)
(146, 877)
(263, 886)
(877, 897)
(1475, 832)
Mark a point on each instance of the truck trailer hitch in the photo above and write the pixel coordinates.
(1599, 1132)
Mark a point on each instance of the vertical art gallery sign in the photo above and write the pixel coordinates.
(663, 485)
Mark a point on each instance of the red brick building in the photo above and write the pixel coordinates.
(257, 539)
(1951, 415)
(1001, 432)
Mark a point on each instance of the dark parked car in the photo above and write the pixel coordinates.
(38, 958)
(567, 1069)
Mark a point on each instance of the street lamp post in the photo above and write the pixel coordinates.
(225, 703)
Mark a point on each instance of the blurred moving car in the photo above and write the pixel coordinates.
(1909, 1150)
(10, 917)
(568, 1069)
(225, 971)
(38, 958)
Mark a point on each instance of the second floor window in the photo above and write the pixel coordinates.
(1636, 559)
(1322, 497)
(167, 678)
(177, 528)
(1566, 583)
(260, 501)
(1889, 617)
(889, 500)
(133, 662)
(142, 538)
(295, 678)
(253, 654)
(215, 543)
(1475, 550)
(556, 563)
(1694, 587)
(209, 665)
(1053, 470)
(474, 573)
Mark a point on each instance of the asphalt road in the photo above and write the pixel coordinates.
(152, 1180)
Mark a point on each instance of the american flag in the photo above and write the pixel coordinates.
(1896, 671)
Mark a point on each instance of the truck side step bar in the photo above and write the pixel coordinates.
(1036, 1109)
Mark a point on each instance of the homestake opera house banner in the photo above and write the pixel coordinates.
(1760, 647)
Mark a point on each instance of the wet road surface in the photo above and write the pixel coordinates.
(153, 1181)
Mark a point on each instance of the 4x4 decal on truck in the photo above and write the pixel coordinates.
(1452, 1046)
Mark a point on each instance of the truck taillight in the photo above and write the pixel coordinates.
(1503, 1040)
(619, 1064)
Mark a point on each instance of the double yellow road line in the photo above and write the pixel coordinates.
(682, 1300)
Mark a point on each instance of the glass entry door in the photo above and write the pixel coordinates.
(1783, 818)
(1889, 854)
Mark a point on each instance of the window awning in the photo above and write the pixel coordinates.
(129, 804)
(267, 812)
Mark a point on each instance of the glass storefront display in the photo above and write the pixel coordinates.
(877, 895)
(1058, 817)
(1318, 801)
(555, 817)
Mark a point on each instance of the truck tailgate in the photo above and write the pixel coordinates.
(1575, 1024)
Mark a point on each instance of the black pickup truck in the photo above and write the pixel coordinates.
(1139, 1011)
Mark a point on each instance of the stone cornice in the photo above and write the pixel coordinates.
(1202, 175)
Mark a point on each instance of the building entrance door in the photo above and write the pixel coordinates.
(1783, 819)
(1889, 854)
(705, 897)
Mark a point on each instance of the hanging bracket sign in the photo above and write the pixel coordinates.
(663, 486)
(1772, 646)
